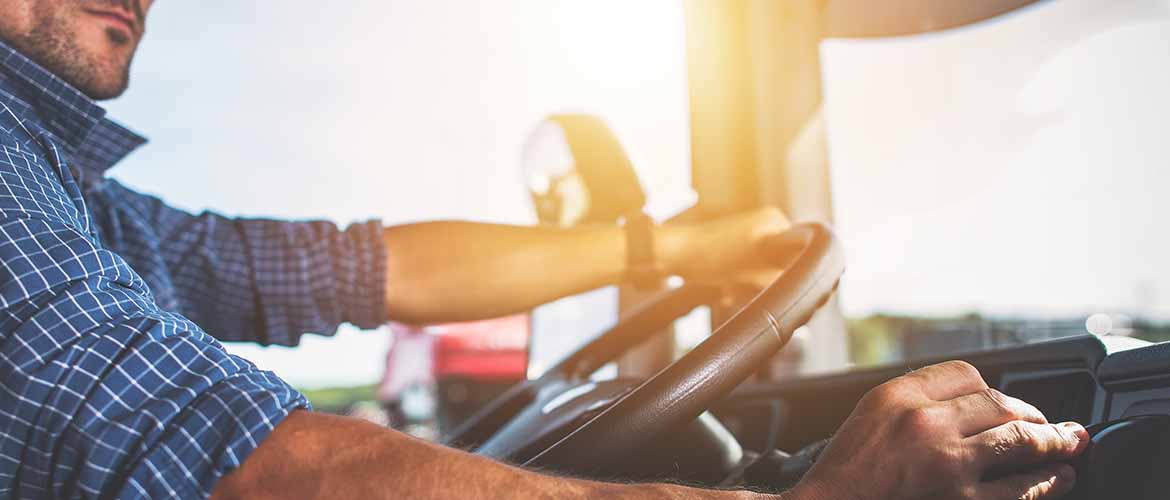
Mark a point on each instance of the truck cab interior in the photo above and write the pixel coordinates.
(955, 195)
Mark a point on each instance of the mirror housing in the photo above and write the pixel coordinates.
(578, 173)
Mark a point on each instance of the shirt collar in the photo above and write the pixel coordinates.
(95, 142)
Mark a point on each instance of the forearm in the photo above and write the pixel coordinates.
(312, 455)
(448, 271)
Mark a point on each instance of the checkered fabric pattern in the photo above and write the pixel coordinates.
(109, 388)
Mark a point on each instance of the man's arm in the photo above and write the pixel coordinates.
(250, 279)
(313, 455)
(270, 281)
(938, 433)
(450, 271)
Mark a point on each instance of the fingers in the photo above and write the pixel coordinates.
(983, 410)
(947, 380)
(1052, 481)
(770, 219)
(1019, 443)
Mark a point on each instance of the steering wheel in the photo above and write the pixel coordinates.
(562, 421)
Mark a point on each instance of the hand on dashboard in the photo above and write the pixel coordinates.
(941, 433)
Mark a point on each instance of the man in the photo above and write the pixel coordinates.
(111, 387)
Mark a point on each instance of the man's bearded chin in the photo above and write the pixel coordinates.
(52, 44)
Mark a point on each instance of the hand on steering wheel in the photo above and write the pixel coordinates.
(558, 422)
(722, 251)
(941, 433)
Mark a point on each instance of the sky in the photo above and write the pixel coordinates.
(399, 110)
(1014, 166)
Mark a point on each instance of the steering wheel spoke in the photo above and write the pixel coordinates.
(594, 428)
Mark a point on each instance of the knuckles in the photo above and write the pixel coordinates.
(1035, 440)
(772, 216)
(1002, 446)
(1009, 408)
(963, 369)
(920, 423)
(1020, 433)
(998, 402)
(888, 394)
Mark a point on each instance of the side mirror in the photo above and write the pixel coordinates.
(577, 172)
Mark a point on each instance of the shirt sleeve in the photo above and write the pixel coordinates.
(258, 280)
(104, 394)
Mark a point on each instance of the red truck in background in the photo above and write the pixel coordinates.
(438, 375)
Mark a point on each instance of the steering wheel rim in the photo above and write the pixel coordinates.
(683, 390)
(480, 431)
(508, 427)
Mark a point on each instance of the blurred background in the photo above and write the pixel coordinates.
(994, 183)
(400, 110)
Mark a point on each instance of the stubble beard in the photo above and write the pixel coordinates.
(51, 43)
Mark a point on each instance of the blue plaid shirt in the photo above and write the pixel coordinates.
(109, 387)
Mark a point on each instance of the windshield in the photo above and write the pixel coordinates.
(414, 111)
(1003, 182)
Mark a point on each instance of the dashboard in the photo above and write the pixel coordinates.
(1117, 387)
(1087, 379)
